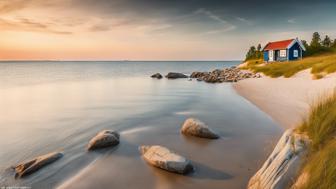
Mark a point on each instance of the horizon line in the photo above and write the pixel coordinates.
(41, 60)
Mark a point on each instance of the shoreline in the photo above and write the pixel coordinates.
(286, 100)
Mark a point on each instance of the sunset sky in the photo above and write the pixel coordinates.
(153, 29)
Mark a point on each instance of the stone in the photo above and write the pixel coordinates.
(282, 166)
(174, 75)
(161, 157)
(104, 139)
(157, 76)
(29, 167)
(195, 127)
(232, 74)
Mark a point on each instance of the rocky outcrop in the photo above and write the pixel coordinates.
(195, 127)
(26, 168)
(282, 166)
(104, 139)
(163, 158)
(232, 74)
(157, 76)
(174, 75)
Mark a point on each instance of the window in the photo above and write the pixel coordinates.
(270, 53)
(296, 53)
(283, 53)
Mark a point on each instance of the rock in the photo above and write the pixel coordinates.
(157, 76)
(198, 74)
(104, 139)
(197, 128)
(282, 166)
(232, 74)
(163, 158)
(174, 75)
(26, 168)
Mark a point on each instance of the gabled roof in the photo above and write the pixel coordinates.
(285, 44)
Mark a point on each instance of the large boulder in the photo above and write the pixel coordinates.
(174, 75)
(163, 158)
(283, 165)
(197, 128)
(157, 76)
(28, 167)
(104, 139)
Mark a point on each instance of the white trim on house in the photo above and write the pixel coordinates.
(299, 42)
(271, 55)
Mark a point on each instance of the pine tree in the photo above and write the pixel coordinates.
(316, 40)
(251, 54)
(326, 41)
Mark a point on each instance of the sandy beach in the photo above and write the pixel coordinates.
(286, 100)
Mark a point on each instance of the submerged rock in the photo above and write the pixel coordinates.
(104, 139)
(282, 166)
(163, 158)
(157, 76)
(174, 75)
(26, 168)
(197, 128)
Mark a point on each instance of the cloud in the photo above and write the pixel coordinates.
(291, 21)
(224, 26)
(210, 15)
(99, 28)
(244, 20)
(29, 25)
(12, 5)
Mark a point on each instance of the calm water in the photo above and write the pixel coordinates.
(48, 106)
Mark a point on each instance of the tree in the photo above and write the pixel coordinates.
(333, 45)
(326, 41)
(259, 47)
(251, 54)
(316, 40)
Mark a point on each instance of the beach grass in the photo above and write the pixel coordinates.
(320, 65)
(320, 126)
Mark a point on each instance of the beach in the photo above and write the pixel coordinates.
(286, 100)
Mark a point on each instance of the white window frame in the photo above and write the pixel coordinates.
(283, 53)
(295, 53)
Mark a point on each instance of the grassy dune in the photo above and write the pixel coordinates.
(320, 66)
(320, 126)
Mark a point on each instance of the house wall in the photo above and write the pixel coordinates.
(265, 55)
(278, 58)
(296, 46)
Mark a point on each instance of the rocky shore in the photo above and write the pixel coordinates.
(232, 74)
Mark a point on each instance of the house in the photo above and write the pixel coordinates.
(285, 50)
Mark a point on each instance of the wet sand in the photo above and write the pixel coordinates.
(247, 137)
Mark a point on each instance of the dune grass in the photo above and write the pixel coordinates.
(320, 65)
(320, 126)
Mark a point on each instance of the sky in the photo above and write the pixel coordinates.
(154, 29)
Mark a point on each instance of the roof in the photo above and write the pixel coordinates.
(278, 44)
